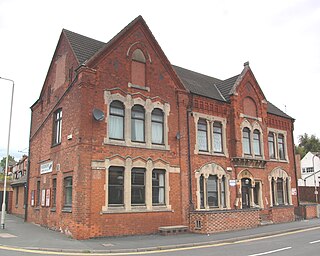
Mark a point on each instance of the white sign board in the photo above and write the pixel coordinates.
(293, 191)
(232, 183)
(46, 167)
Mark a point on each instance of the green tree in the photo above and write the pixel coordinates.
(306, 144)
(3, 161)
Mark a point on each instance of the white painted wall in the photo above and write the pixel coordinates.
(308, 178)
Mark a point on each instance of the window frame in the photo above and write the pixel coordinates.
(256, 142)
(116, 104)
(136, 187)
(271, 144)
(155, 122)
(117, 186)
(220, 192)
(38, 193)
(159, 187)
(135, 120)
(202, 128)
(67, 192)
(281, 147)
(54, 193)
(57, 127)
(246, 141)
(216, 133)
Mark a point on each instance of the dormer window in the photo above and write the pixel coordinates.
(138, 68)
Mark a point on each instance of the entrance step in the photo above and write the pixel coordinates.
(266, 222)
(172, 230)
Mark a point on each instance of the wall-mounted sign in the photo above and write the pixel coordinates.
(232, 183)
(293, 191)
(48, 197)
(43, 197)
(46, 167)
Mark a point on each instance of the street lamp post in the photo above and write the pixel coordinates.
(314, 178)
(3, 209)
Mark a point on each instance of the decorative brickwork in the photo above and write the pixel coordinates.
(218, 221)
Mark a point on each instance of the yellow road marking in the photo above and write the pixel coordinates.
(8, 248)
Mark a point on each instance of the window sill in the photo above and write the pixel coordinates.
(67, 209)
(207, 153)
(279, 160)
(143, 88)
(137, 209)
(55, 145)
(132, 144)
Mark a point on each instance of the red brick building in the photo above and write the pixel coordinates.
(19, 184)
(122, 142)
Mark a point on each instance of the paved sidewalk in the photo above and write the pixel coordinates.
(18, 233)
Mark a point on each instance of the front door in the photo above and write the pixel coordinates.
(245, 191)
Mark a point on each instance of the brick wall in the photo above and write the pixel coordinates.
(18, 208)
(282, 214)
(219, 221)
(306, 194)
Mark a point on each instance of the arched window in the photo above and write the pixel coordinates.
(246, 141)
(137, 123)
(157, 121)
(138, 68)
(256, 143)
(116, 120)
(202, 135)
(212, 192)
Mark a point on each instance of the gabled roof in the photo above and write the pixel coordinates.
(272, 109)
(86, 48)
(83, 47)
(199, 84)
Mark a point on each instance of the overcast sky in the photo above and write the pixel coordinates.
(280, 39)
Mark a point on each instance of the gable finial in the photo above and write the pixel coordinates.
(246, 64)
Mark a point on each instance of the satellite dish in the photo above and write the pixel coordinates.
(98, 114)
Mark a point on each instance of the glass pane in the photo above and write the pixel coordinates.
(115, 194)
(157, 115)
(246, 146)
(280, 191)
(202, 141)
(116, 127)
(256, 143)
(271, 149)
(115, 177)
(212, 199)
(217, 142)
(157, 133)
(137, 130)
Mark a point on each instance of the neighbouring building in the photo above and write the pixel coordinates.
(8, 202)
(122, 142)
(310, 170)
(309, 178)
(19, 185)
